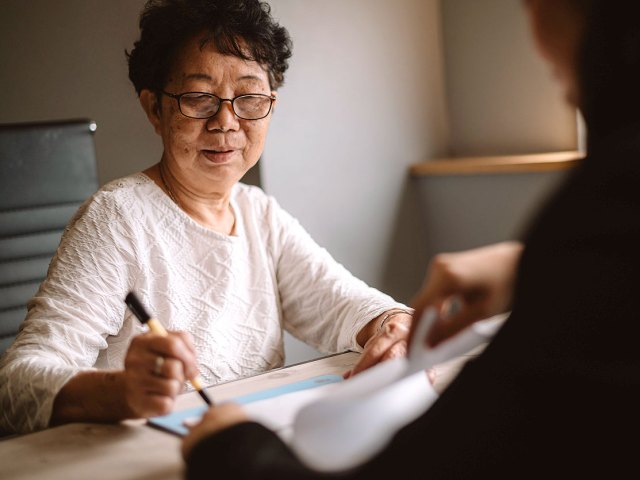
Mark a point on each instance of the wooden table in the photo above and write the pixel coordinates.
(132, 450)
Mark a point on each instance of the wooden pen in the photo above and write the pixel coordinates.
(156, 327)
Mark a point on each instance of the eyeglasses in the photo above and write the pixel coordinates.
(252, 106)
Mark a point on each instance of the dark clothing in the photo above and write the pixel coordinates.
(557, 392)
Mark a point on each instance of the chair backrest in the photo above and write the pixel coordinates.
(46, 171)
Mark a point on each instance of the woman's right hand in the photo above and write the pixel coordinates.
(155, 370)
(478, 282)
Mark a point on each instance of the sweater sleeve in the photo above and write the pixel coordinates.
(323, 304)
(77, 306)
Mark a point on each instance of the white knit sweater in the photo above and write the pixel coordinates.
(234, 294)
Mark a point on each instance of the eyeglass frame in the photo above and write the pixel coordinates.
(178, 96)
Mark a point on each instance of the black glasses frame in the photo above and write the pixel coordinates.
(179, 96)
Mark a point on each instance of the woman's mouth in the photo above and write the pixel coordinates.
(218, 156)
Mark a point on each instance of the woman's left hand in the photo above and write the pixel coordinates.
(383, 343)
(214, 420)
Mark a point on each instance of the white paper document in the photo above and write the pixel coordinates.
(341, 425)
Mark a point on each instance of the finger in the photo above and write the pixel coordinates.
(140, 361)
(225, 410)
(363, 363)
(440, 282)
(396, 329)
(171, 369)
(155, 405)
(432, 375)
(174, 369)
(398, 349)
(433, 292)
(214, 420)
(374, 352)
(451, 306)
(438, 306)
(371, 355)
(445, 328)
(174, 346)
(147, 363)
(154, 385)
(187, 338)
(150, 396)
(146, 346)
(189, 358)
(190, 422)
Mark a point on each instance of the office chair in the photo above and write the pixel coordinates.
(46, 171)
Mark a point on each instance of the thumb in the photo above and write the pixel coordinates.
(444, 328)
(431, 296)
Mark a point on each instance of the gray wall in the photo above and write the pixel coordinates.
(364, 99)
(468, 211)
(65, 59)
(502, 97)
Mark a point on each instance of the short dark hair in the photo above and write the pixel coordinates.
(242, 28)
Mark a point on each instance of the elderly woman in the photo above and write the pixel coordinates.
(219, 262)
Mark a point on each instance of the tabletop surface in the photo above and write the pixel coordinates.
(131, 449)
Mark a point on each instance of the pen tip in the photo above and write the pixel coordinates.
(205, 397)
(136, 307)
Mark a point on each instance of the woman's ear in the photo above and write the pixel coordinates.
(275, 101)
(151, 106)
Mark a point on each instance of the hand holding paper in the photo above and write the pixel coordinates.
(468, 286)
(367, 410)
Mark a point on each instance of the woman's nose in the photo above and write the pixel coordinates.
(225, 119)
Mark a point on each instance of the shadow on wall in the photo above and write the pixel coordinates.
(447, 213)
(468, 211)
(407, 257)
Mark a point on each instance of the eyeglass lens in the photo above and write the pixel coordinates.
(199, 105)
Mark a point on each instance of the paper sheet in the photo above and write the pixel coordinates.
(274, 407)
(371, 407)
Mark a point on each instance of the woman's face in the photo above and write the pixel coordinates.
(557, 28)
(211, 155)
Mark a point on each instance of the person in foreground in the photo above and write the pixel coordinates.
(556, 392)
(220, 263)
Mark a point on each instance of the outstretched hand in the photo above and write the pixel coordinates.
(384, 341)
(467, 286)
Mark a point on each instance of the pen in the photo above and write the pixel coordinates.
(156, 327)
